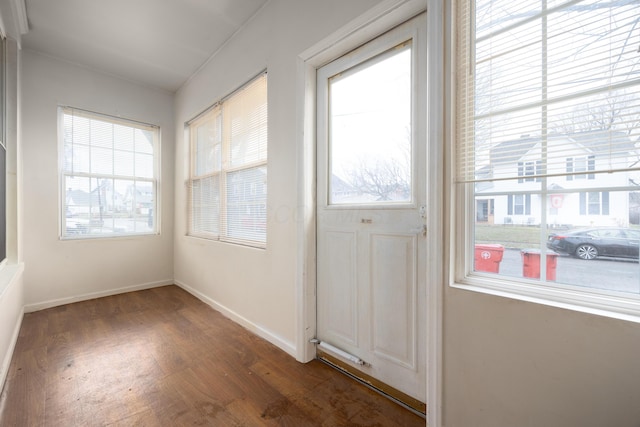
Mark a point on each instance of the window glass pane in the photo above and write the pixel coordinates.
(101, 134)
(503, 140)
(144, 165)
(76, 158)
(144, 141)
(144, 204)
(574, 39)
(79, 128)
(77, 205)
(493, 16)
(124, 198)
(101, 160)
(123, 138)
(205, 196)
(247, 204)
(503, 90)
(208, 145)
(102, 219)
(89, 205)
(123, 163)
(371, 164)
(245, 117)
(134, 206)
(583, 244)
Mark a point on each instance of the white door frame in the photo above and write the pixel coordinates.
(373, 23)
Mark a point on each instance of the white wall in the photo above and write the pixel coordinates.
(513, 363)
(59, 271)
(256, 287)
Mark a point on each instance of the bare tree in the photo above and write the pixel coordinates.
(384, 177)
(385, 180)
(610, 109)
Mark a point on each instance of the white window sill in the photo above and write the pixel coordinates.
(567, 297)
(9, 273)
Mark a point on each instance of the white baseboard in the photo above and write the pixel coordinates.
(274, 339)
(84, 297)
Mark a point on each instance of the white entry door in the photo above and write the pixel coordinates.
(372, 208)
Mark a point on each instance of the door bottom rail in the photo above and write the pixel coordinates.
(327, 354)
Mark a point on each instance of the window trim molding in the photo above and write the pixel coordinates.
(155, 180)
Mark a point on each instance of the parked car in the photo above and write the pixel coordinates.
(594, 242)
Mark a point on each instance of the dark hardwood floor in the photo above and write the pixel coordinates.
(161, 357)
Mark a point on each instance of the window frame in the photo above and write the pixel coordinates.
(529, 171)
(573, 171)
(4, 249)
(196, 225)
(63, 173)
(519, 200)
(463, 202)
(587, 205)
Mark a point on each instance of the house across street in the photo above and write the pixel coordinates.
(572, 192)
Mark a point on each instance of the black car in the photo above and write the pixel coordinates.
(594, 242)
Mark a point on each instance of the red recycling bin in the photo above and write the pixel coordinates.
(531, 264)
(488, 257)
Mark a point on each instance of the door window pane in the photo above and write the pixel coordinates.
(370, 131)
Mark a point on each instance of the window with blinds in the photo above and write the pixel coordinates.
(109, 175)
(228, 172)
(548, 134)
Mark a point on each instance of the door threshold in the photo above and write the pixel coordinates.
(410, 403)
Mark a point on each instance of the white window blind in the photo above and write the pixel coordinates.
(542, 78)
(109, 175)
(228, 182)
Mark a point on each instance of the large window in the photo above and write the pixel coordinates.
(109, 176)
(228, 173)
(548, 127)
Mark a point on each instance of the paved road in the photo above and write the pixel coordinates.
(601, 273)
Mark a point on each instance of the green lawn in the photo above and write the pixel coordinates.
(510, 236)
(514, 236)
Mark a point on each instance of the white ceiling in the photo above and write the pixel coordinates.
(155, 42)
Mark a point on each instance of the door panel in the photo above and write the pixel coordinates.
(371, 207)
(393, 284)
(341, 311)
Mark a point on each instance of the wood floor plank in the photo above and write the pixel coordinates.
(161, 357)
(26, 381)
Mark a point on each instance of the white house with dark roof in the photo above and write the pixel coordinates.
(568, 199)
